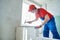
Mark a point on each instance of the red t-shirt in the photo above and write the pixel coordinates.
(42, 12)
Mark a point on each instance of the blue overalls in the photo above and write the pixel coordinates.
(50, 25)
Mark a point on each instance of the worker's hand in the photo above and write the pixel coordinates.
(29, 22)
(38, 26)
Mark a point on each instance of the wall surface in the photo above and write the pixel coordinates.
(57, 19)
(10, 14)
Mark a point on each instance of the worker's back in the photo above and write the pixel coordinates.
(42, 12)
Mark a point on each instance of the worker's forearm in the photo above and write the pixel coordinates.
(34, 20)
(45, 21)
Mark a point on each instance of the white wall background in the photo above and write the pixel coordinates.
(10, 14)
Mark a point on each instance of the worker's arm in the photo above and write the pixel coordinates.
(46, 19)
(35, 20)
(32, 20)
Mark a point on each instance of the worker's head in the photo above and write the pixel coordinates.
(32, 8)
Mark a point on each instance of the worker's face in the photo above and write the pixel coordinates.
(33, 11)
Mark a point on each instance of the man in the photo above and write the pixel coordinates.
(49, 21)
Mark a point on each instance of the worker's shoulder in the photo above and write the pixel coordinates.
(41, 9)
